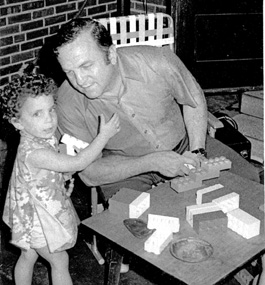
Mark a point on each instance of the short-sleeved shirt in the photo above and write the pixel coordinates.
(154, 84)
(35, 193)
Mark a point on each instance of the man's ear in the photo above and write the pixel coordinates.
(112, 54)
(16, 123)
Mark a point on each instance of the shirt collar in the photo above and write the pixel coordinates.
(126, 67)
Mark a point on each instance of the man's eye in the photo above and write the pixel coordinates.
(88, 66)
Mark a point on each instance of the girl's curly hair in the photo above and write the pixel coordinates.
(14, 94)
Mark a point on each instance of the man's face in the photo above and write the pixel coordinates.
(86, 66)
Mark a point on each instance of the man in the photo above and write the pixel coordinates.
(162, 109)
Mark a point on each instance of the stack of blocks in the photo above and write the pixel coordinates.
(210, 168)
(238, 220)
(129, 203)
(165, 227)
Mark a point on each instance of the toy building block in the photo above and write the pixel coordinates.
(198, 174)
(206, 190)
(199, 209)
(72, 142)
(209, 221)
(182, 184)
(139, 205)
(228, 202)
(129, 203)
(159, 222)
(243, 223)
(158, 241)
(218, 163)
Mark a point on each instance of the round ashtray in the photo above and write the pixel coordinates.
(191, 249)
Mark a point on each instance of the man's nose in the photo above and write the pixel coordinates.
(80, 78)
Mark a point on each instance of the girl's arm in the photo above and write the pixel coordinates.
(51, 160)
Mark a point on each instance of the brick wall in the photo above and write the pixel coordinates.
(25, 24)
(149, 6)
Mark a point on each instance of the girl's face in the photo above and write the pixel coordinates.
(38, 117)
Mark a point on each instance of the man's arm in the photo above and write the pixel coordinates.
(115, 168)
(196, 121)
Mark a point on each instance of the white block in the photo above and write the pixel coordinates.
(72, 142)
(228, 202)
(158, 222)
(200, 192)
(158, 241)
(200, 209)
(243, 223)
(139, 205)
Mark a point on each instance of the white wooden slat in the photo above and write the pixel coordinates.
(104, 22)
(151, 25)
(113, 28)
(123, 30)
(141, 18)
(159, 27)
(132, 21)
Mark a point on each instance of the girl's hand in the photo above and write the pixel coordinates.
(111, 128)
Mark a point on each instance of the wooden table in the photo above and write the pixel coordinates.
(231, 251)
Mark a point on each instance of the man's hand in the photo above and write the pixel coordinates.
(198, 157)
(172, 164)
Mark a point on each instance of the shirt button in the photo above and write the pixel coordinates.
(133, 115)
(145, 131)
(157, 146)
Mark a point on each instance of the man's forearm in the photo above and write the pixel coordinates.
(114, 168)
(196, 124)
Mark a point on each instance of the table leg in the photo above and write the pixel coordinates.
(113, 267)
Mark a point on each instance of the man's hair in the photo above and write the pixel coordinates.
(14, 94)
(72, 29)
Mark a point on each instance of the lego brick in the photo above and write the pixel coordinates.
(203, 174)
(158, 221)
(209, 220)
(158, 241)
(129, 203)
(139, 205)
(228, 202)
(182, 184)
(200, 192)
(72, 142)
(199, 209)
(217, 163)
(243, 223)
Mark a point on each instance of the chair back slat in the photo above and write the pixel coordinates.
(155, 29)
(132, 21)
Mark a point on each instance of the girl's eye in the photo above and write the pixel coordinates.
(37, 114)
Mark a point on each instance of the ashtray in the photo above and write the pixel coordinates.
(138, 228)
(191, 250)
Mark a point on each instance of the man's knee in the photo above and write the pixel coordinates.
(141, 183)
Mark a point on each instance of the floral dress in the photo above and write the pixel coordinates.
(33, 191)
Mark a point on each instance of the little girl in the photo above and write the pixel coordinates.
(37, 208)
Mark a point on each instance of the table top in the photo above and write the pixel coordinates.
(231, 251)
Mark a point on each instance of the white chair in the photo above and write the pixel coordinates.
(142, 29)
